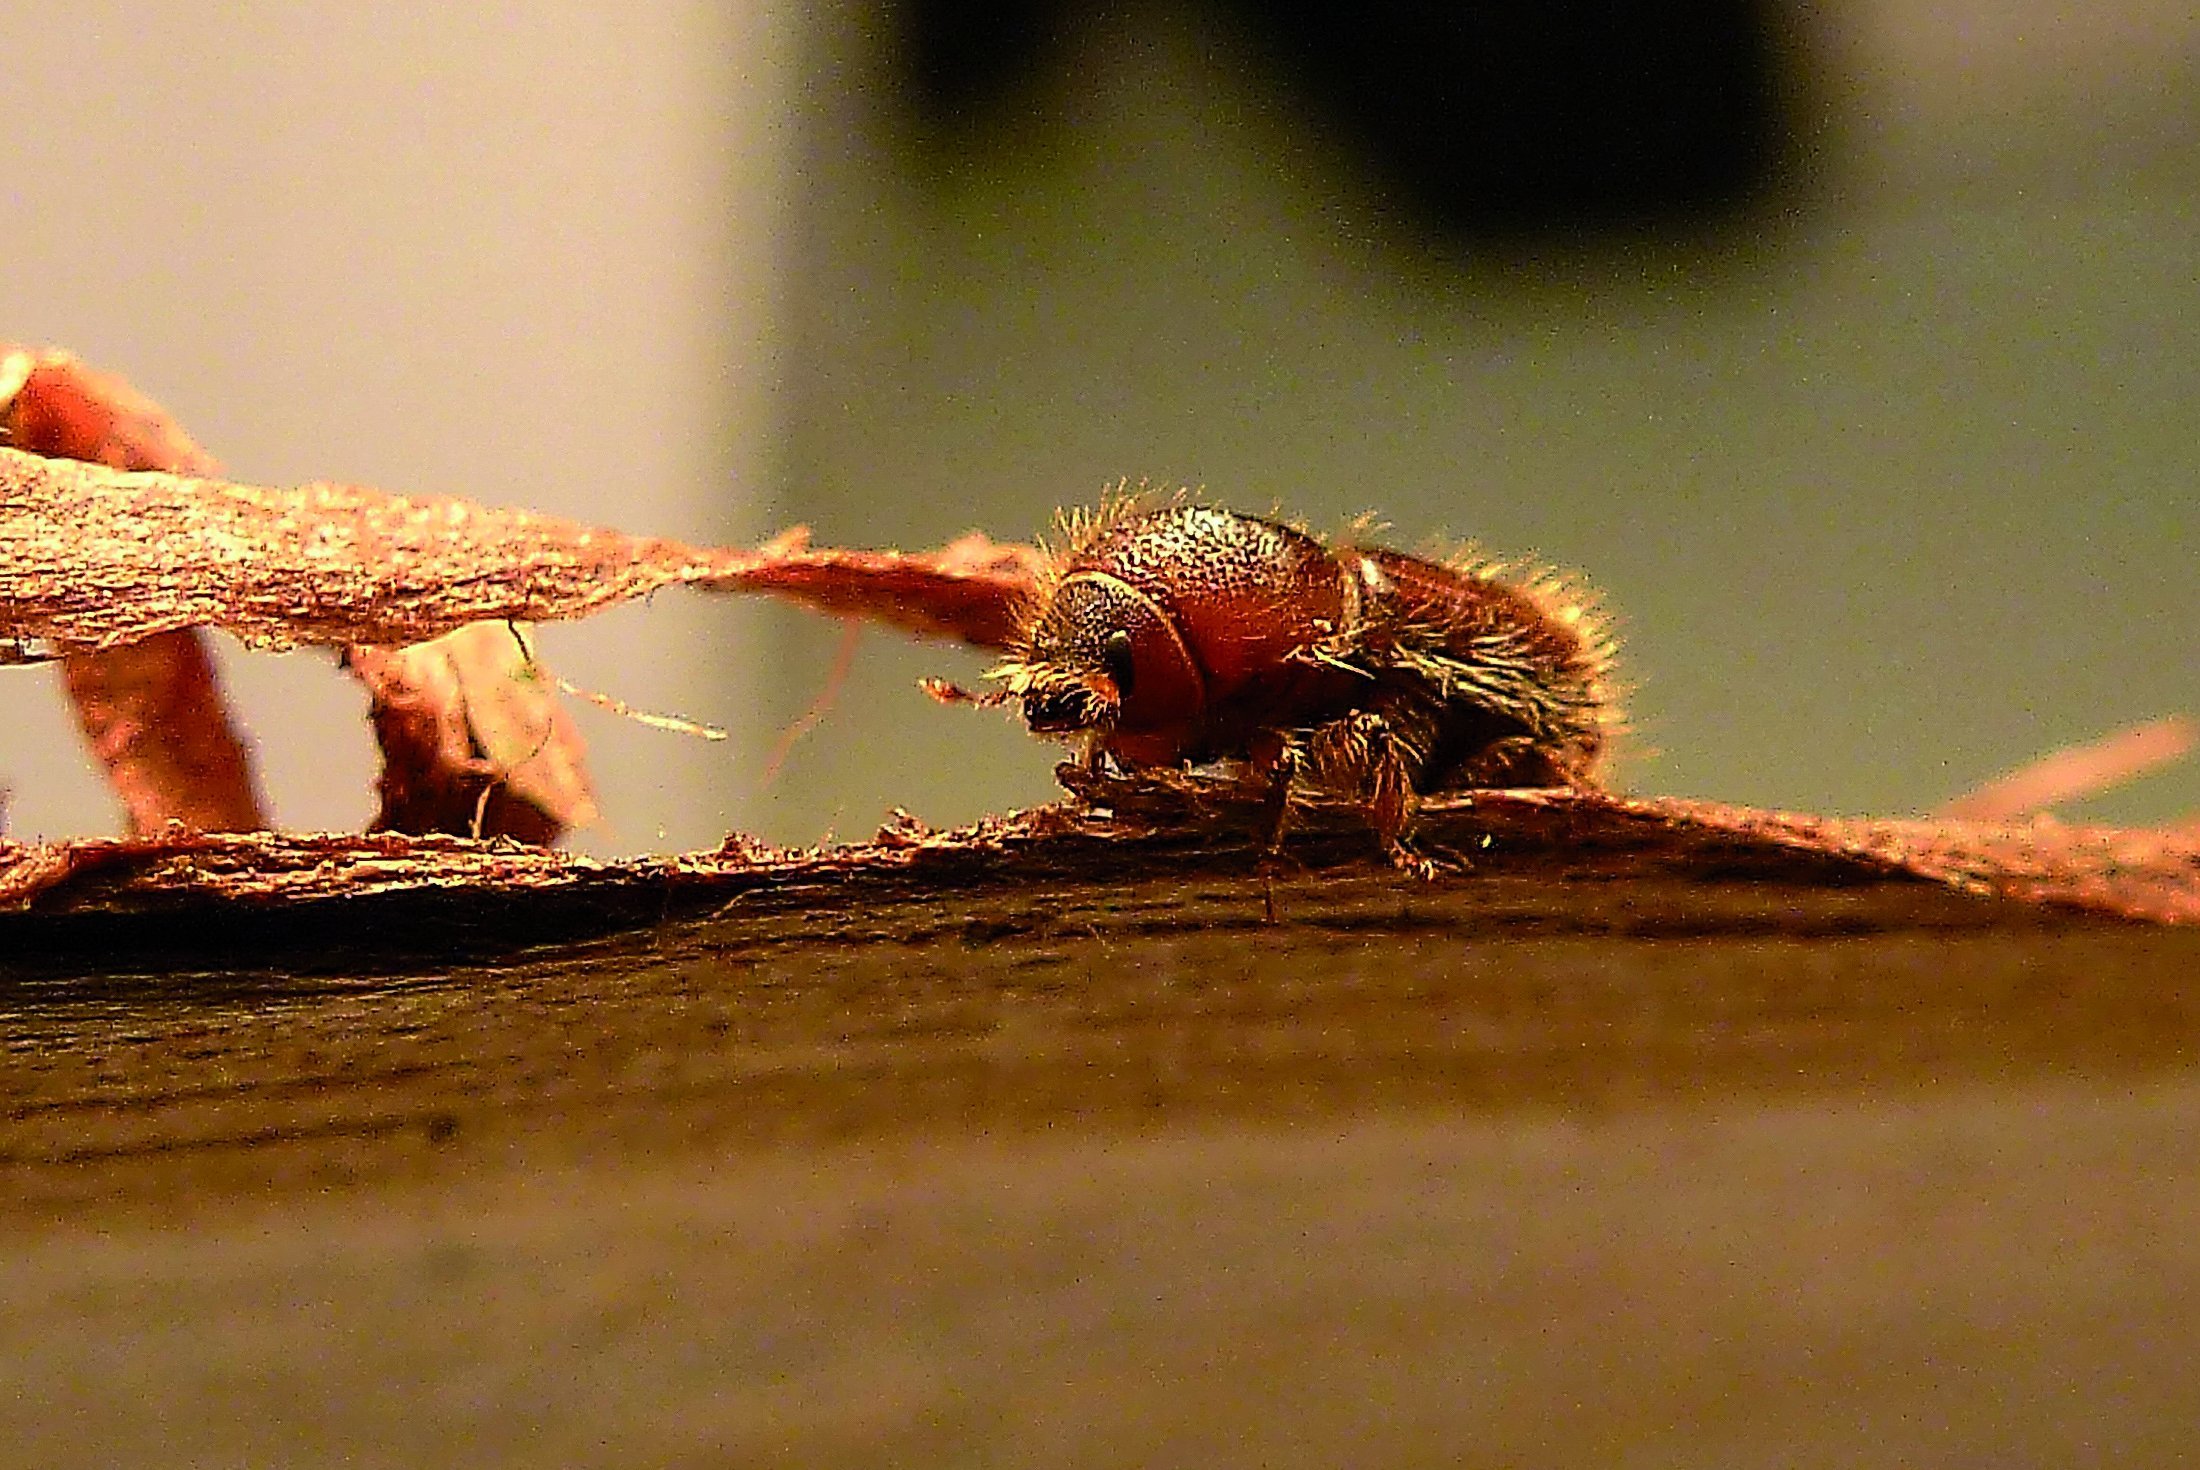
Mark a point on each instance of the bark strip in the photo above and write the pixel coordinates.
(153, 713)
(441, 896)
(94, 558)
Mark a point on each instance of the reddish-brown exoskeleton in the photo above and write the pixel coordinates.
(1180, 634)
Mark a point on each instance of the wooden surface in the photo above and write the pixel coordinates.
(1637, 1167)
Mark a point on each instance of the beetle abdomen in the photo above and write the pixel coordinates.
(1502, 682)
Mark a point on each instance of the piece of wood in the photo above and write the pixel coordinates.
(118, 575)
(152, 711)
(473, 740)
(192, 899)
(1735, 1153)
(1138, 1000)
(94, 558)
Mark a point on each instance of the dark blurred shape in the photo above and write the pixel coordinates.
(964, 61)
(1555, 115)
(1565, 117)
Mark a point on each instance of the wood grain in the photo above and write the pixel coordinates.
(1715, 1163)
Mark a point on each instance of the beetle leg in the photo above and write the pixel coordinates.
(1363, 758)
(1275, 767)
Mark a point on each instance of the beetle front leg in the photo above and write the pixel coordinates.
(1274, 767)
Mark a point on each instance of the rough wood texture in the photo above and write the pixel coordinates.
(96, 557)
(198, 899)
(1059, 1002)
(119, 574)
(881, 1165)
(152, 712)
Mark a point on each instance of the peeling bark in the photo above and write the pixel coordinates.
(96, 558)
(190, 900)
(119, 573)
(2078, 771)
(153, 713)
(473, 740)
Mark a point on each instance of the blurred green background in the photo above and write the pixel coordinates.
(1879, 442)
(1889, 471)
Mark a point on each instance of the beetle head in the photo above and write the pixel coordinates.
(1103, 656)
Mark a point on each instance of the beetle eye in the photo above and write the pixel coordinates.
(1115, 661)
